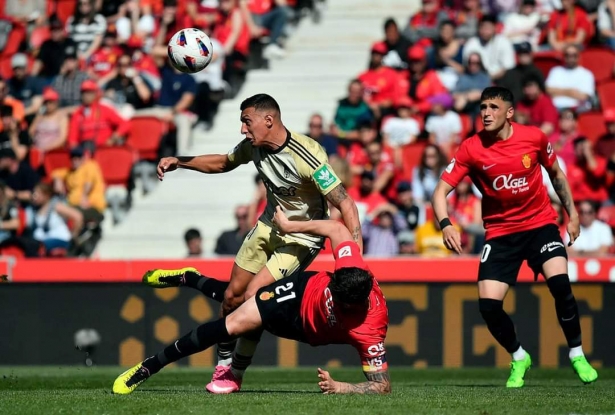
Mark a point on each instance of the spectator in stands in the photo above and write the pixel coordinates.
(68, 82)
(19, 177)
(351, 112)
(232, 31)
(18, 110)
(194, 243)
(267, 15)
(145, 64)
(49, 130)
(567, 132)
(9, 215)
(380, 231)
(53, 52)
(571, 85)
(596, 238)
(379, 82)
(467, 19)
(447, 55)
(428, 240)
(259, 201)
(443, 124)
(496, 51)
(364, 195)
(127, 89)
(470, 86)
(95, 124)
(423, 26)
(48, 221)
(26, 88)
(400, 130)
(230, 241)
(357, 151)
(569, 25)
(86, 27)
(606, 22)
(317, 132)
(133, 20)
(425, 176)
(13, 136)
(423, 83)
(407, 208)
(82, 185)
(513, 78)
(397, 46)
(538, 105)
(341, 167)
(380, 162)
(587, 174)
(26, 11)
(523, 26)
(171, 20)
(605, 146)
(466, 213)
(101, 64)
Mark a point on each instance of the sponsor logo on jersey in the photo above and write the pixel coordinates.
(376, 364)
(450, 166)
(376, 349)
(509, 183)
(551, 246)
(549, 150)
(329, 307)
(266, 295)
(527, 161)
(279, 190)
(345, 251)
(324, 177)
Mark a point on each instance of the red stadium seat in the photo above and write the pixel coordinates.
(35, 157)
(606, 94)
(116, 164)
(466, 126)
(607, 215)
(545, 61)
(600, 62)
(411, 157)
(56, 159)
(13, 251)
(6, 70)
(65, 9)
(145, 136)
(38, 36)
(591, 125)
(15, 38)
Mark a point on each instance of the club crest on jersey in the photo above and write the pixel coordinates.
(266, 295)
(527, 161)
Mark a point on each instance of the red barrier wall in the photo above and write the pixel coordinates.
(458, 269)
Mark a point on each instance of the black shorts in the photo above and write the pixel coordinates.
(280, 306)
(503, 256)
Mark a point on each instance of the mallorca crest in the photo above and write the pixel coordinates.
(527, 161)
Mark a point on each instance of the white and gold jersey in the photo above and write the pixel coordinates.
(297, 177)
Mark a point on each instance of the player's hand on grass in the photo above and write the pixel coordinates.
(280, 220)
(452, 238)
(327, 385)
(573, 228)
(166, 164)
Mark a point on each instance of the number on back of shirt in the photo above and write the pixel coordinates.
(282, 289)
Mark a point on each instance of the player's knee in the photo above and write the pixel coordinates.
(490, 309)
(559, 286)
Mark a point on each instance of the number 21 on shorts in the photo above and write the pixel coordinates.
(282, 289)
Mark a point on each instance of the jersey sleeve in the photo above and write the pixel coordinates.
(547, 154)
(371, 350)
(241, 154)
(458, 168)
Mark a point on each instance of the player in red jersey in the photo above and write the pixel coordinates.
(318, 308)
(504, 163)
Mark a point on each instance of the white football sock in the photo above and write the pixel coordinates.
(225, 362)
(519, 354)
(242, 356)
(576, 352)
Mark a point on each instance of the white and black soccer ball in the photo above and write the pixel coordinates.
(190, 50)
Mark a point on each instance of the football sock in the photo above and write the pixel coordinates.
(576, 352)
(244, 351)
(225, 353)
(499, 323)
(566, 309)
(199, 339)
(519, 354)
(211, 287)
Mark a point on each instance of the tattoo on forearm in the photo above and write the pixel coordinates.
(561, 188)
(379, 382)
(356, 234)
(337, 195)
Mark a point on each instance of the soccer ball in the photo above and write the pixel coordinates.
(190, 50)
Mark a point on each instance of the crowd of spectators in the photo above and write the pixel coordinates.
(75, 75)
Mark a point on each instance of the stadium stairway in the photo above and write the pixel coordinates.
(321, 59)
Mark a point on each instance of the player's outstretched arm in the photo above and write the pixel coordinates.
(562, 188)
(331, 229)
(450, 235)
(377, 383)
(208, 163)
(347, 207)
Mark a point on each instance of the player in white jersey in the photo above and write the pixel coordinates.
(298, 178)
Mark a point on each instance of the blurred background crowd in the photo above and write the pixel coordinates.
(89, 102)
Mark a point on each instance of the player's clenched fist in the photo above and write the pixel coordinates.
(327, 385)
(166, 164)
(452, 238)
(280, 220)
(573, 228)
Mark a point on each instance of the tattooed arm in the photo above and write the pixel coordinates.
(377, 383)
(340, 199)
(562, 188)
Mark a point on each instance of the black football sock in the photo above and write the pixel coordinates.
(199, 339)
(566, 308)
(499, 323)
(211, 287)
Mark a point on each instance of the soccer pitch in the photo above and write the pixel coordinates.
(75, 390)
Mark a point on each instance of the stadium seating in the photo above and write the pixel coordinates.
(116, 164)
(600, 62)
(591, 125)
(606, 94)
(145, 136)
(545, 61)
(411, 157)
(56, 159)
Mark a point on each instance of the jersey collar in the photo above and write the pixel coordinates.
(277, 150)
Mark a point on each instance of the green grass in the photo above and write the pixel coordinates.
(49, 390)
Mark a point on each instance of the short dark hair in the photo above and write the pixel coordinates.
(389, 22)
(489, 18)
(494, 92)
(447, 23)
(260, 102)
(351, 285)
(192, 234)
